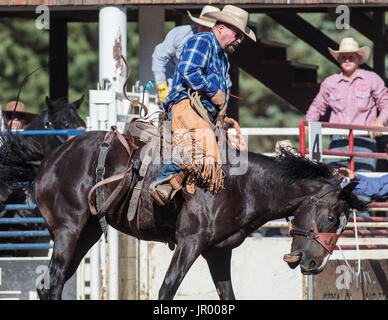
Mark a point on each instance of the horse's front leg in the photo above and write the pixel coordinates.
(186, 252)
(218, 261)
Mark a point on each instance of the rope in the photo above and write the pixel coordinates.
(357, 248)
(240, 141)
(141, 105)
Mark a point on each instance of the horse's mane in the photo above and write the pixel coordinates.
(17, 156)
(61, 102)
(20, 154)
(294, 167)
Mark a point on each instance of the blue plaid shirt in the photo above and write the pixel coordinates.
(203, 66)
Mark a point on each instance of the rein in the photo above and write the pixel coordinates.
(326, 240)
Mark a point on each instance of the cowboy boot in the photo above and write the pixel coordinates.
(163, 193)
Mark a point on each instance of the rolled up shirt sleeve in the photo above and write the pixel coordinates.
(167, 52)
(371, 186)
(319, 105)
(380, 95)
(160, 57)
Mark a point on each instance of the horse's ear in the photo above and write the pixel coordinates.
(350, 187)
(77, 103)
(50, 104)
(353, 201)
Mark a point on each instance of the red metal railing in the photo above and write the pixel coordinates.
(351, 154)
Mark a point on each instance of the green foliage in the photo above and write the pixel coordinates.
(23, 48)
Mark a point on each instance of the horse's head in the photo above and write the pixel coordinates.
(59, 115)
(63, 115)
(318, 222)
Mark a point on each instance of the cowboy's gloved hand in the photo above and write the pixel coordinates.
(218, 99)
(163, 91)
(346, 172)
(227, 123)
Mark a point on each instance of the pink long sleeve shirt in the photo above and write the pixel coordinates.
(353, 102)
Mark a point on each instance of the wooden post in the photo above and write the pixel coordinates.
(151, 32)
(379, 43)
(58, 70)
(233, 105)
(127, 267)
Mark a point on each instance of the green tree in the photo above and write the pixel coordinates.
(23, 48)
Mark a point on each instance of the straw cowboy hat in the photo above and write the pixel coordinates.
(349, 45)
(234, 16)
(204, 21)
(20, 111)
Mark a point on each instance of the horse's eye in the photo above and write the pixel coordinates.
(67, 125)
(331, 218)
(47, 124)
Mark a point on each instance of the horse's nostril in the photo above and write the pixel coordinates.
(313, 264)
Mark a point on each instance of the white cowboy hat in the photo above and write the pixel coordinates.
(349, 45)
(204, 21)
(234, 16)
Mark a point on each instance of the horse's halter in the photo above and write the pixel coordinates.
(326, 240)
(49, 126)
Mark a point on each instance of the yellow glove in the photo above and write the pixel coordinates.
(163, 91)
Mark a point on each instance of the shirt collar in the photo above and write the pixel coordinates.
(220, 52)
(360, 74)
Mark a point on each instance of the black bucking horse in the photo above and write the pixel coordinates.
(203, 223)
(20, 155)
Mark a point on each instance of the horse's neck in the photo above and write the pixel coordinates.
(36, 124)
(263, 182)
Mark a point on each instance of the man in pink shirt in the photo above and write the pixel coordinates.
(355, 96)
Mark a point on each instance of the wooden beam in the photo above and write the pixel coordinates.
(58, 70)
(379, 52)
(233, 105)
(311, 35)
(307, 32)
(361, 22)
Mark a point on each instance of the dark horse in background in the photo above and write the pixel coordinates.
(206, 224)
(20, 155)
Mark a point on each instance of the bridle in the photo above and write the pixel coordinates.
(49, 126)
(326, 240)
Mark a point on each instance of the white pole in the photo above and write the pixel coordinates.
(95, 272)
(113, 253)
(112, 75)
(102, 272)
(112, 44)
(112, 112)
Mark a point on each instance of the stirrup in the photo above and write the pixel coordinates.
(176, 180)
(162, 194)
(157, 199)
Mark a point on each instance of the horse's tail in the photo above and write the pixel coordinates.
(20, 156)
